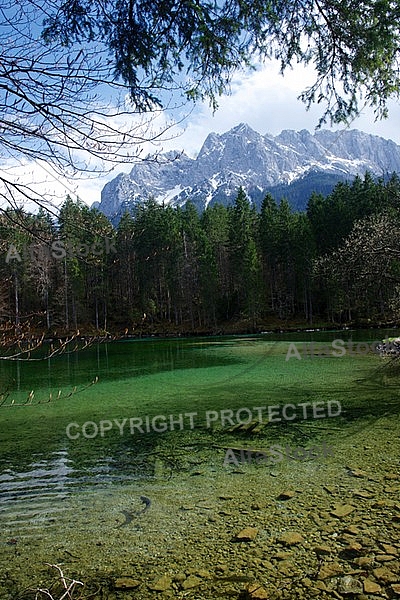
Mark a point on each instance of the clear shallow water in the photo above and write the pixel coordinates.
(139, 379)
(48, 480)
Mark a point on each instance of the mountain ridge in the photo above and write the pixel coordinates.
(259, 163)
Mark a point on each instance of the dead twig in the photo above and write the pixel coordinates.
(31, 395)
(68, 585)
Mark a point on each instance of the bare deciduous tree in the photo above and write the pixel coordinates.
(62, 105)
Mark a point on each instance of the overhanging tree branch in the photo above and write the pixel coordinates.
(63, 105)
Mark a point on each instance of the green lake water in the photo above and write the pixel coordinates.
(65, 492)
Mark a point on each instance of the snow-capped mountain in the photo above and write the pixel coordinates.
(258, 163)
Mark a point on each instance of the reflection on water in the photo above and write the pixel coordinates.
(46, 476)
(114, 361)
(33, 497)
(36, 500)
(56, 477)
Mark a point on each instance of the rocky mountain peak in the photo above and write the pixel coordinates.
(258, 163)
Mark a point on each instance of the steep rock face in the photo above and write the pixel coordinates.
(259, 163)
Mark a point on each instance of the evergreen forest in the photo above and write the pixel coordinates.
(166, 270)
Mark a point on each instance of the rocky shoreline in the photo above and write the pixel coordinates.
(324, 528)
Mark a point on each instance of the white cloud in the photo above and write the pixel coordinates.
(264, 99)
(269, 103)
(36, 178)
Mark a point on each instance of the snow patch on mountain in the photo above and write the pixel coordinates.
(243, 157)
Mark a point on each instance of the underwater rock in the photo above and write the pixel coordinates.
(286, 495)
(384, 574)
(349, 585)
(126, 583)
(331, 569)
(247, 534)
(191, 582)
(256, 592)
(371, 587)
(343, 510)
(162, 584)
(291, 538)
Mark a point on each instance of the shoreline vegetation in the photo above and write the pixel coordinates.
(87, 333)
(166, 330)
(164, 271)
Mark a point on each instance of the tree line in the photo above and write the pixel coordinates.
(172, 269)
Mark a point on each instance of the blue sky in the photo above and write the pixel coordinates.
(264, 99)
(268, 102)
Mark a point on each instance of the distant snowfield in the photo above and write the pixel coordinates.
(243, 157)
